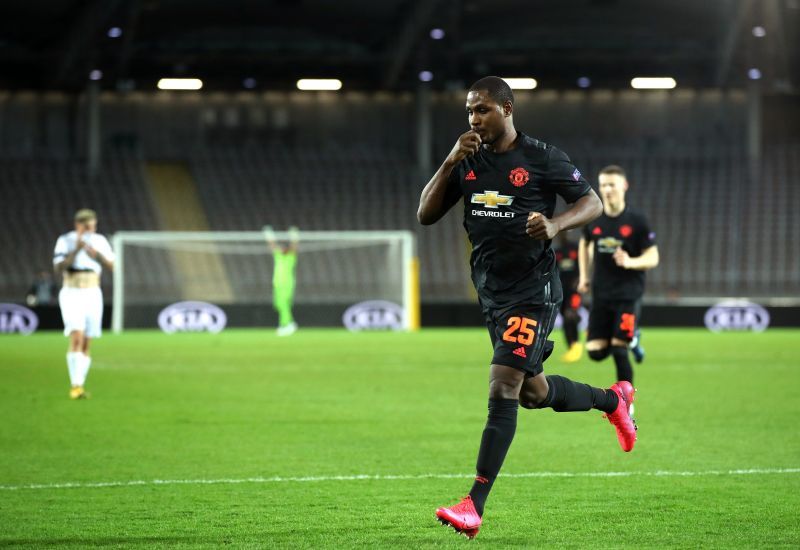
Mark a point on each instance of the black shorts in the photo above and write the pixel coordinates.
(572, 302)
(614, 319)
(519, 334)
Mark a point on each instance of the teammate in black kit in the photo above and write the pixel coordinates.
(621, 247)
(567, 260)
(508, 183)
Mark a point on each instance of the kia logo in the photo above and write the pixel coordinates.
(736, 315)
(373, 315)
(192, 317)
(14, 318)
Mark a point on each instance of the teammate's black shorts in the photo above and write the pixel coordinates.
(572, 302)
(572, 298)
(519, 333)
(614, 319)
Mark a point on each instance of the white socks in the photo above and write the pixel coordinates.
(84, 362)
(72, 365)
(78, 365)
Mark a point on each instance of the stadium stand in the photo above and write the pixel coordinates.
(53, 190)
(347, 163)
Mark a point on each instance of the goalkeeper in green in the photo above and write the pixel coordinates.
(283, 279)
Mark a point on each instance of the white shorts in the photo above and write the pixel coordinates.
(82, 309)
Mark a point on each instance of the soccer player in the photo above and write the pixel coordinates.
(567, 260)
(509, 182)
(283, 279)
(80, 256)
(621, 247)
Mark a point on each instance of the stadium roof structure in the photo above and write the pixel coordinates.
(387, 44)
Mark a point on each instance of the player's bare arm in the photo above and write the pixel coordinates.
(585, 209)
(647, 260)
(294, 239)
(432, 203)
(269, 236)
(585, 257)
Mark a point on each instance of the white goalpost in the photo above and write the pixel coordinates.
(233, 271)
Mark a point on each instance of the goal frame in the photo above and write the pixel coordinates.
(407, 240)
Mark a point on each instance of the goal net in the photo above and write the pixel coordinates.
(364, 279)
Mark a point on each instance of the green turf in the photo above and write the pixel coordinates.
(326, 403)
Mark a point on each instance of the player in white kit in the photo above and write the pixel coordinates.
(81, 256)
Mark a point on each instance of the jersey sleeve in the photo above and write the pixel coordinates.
(104, 248)
(565, 179)
(645, 235)
(61, 251)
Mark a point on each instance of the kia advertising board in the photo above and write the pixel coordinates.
(17, 319)
(192, 317)
(373, 315)
(740, 315)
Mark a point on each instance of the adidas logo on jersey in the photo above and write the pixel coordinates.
(470, 176)
(521, 352)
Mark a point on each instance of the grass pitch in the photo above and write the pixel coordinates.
(223, 421)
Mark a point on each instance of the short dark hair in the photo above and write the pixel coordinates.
(613, 169)
(498, 89)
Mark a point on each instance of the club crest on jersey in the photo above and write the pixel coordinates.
(626, 230)
(492, 199)
(518, 177)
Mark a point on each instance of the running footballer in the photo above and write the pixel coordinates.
(508, 183)
(615, 252)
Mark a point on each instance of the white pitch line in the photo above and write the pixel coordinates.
(368, 477)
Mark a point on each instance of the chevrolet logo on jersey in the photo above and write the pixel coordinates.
(608, 245)
(491, 199)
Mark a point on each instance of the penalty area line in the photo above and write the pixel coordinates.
(390, 477)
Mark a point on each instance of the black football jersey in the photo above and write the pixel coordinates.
(499, 191)
(629, 230)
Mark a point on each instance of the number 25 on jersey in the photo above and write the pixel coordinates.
(520, 331)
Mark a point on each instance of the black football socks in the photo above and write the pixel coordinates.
(571, 329)
(564, 395)
(497, 437)
(623, 362)
(598, 354)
